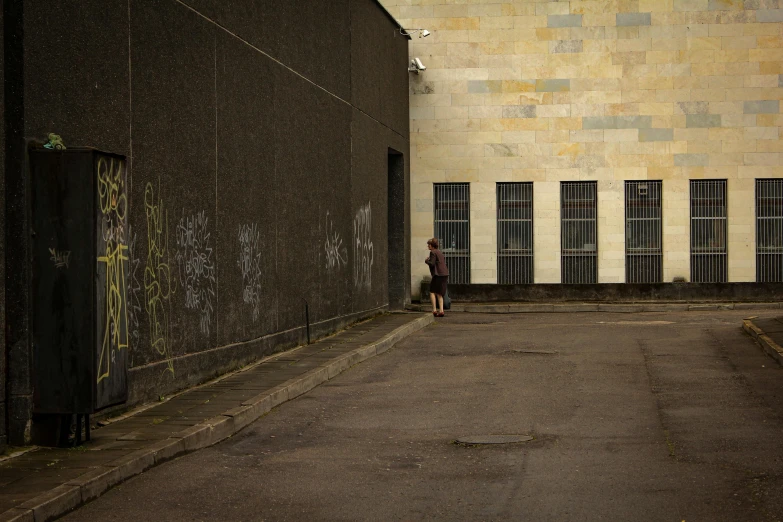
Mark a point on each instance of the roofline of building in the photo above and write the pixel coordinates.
(394, 20)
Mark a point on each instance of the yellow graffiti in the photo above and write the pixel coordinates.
(157, 275)
(110, 189)
(115, 335)
(113, 206)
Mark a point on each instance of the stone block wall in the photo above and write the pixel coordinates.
(601, 90)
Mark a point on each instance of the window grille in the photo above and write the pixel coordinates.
(578, 236)
(515, 233)
(708, 231)
(452, 228)
(769, 230)
(643, 252)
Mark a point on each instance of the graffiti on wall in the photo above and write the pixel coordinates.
(196, 267)
(250, 266)
(134, 301)
(336, 251)
(158, 284)
(113, 206)
(362, 248)
(60, 258)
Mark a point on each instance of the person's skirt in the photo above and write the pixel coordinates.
(438, 285)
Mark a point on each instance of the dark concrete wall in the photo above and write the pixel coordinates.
(3, 381)
(257, 145)
(76, 73)
(694, 292)
(379, 57)
(18, 388)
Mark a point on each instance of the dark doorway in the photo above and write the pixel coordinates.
(396, 230)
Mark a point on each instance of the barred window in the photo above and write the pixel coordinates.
(643, 242)
(708, 231)
(452, 228)
(515, 233)
(769, 230)
(578, 238)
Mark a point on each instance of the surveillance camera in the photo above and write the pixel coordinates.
(416, 66)
(423, 33)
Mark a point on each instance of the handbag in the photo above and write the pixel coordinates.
(446, 301)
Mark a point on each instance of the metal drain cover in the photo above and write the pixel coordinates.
(494, 439)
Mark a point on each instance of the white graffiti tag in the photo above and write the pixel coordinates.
(196, 267)
(250, 265)
(336, 252)
(362, 248)
(60, 258)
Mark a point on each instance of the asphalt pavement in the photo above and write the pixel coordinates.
(647, 416)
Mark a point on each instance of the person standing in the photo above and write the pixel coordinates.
(440, 275)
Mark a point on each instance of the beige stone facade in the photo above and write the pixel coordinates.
(600, 90)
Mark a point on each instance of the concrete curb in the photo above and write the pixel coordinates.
(91, 485)
(772, 348)
(529, 308)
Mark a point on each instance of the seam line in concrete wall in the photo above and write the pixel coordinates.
(181, 2)
(217, 212)
(130, 100)
(256, 339)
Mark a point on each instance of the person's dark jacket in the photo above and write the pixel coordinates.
(437, 262)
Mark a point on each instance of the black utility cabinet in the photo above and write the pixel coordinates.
(79, 223)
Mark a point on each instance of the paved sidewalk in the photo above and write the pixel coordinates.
(48, 482)
(769, 334)
(565, 307)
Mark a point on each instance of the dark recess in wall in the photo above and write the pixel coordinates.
(396, 229)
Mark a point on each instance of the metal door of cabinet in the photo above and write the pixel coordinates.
(79, 323)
